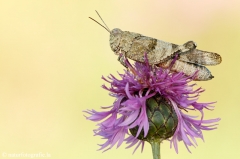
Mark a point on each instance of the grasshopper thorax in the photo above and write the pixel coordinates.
(115, 36)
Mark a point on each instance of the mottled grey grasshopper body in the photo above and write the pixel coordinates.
(134, 46)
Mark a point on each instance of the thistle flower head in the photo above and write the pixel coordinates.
(151, 104)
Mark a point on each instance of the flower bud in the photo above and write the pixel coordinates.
(162, 120)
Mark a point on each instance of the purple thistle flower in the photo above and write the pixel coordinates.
(129, 112)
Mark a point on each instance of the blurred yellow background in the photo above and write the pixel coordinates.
(52, 57)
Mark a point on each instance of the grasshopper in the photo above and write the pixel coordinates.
(132, 45)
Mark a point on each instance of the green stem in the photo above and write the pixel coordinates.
(155, 149)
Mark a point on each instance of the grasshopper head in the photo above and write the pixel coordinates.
(115, 36)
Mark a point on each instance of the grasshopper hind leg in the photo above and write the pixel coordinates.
(189, 69)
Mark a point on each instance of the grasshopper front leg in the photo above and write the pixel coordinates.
(121, 59)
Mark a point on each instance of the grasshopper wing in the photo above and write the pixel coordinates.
(200, 57)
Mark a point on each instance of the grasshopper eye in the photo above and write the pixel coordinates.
(116, 31)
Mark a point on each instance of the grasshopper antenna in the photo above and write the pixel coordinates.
(101, 25)
(102, 20)
(105, 27)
